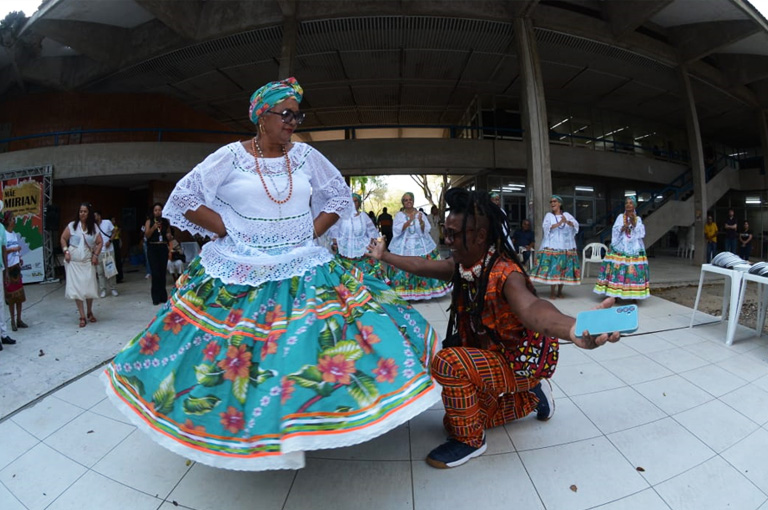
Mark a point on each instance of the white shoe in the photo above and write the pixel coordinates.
(103, 293)
(114, 292)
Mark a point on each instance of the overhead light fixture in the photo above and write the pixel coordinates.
(753, 200)
(585, 188)
(629, 193)
(561, 122)
(516, 185)
(645, 136)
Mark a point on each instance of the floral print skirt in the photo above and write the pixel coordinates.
(249, 378)
(557, 267)
(412, 287)
(367, 265)
(624, 276)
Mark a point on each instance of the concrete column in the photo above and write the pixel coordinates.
(290, 34)
(534, 119)
(762, 126)
(696, 150)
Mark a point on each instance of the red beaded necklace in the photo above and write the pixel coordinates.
(256, 149)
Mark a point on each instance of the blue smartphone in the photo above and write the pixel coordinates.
(607, 320)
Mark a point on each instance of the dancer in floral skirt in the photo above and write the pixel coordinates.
(410, 237)
(557, 262)
(624, 273)
(267, 347)
(350, 238)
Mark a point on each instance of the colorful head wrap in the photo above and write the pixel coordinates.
(633, 198)
(272, 93)
(494, 194)
(407, 194)
(357, 197)
(558, 198)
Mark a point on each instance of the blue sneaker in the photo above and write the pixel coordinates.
(453, 453)
(546, 407)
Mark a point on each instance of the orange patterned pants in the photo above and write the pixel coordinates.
(480, 391)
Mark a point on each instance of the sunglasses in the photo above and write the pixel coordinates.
(288, 116)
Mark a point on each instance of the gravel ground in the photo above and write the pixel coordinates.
(711, 300)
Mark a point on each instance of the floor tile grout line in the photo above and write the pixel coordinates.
(14, 495)
(49, 393)
(736, 468)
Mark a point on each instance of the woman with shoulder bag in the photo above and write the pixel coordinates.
(81, 243)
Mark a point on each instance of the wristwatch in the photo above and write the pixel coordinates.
(66, 250)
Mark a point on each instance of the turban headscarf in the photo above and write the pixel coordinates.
(558, 198)
(493, 194)
(357, 197)
(272, 93)
(407, 194)
(633, 198)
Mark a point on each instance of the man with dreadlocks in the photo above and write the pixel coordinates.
(501, 344)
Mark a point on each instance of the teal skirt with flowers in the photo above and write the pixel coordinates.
(368, 266)
(412, 287)
(249, 378)
(557, 267)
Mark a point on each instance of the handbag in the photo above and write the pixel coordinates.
(178, 256)
(108, 261)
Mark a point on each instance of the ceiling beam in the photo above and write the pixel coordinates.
(627, 16)
(182, 18)
(742, 69)
(102, 43)
(697, 40)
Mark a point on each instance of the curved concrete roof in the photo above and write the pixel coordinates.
(416, 62)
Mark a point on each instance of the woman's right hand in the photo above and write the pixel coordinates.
(376, 249)
(67, 256)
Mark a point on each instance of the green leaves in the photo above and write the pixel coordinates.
(258, 376)
(295, 282)
(225, 299)
(207, 375)
(363, 389)
(329, 335)
(165, 395)
(310, 377)
(135, 383)
(202, 405)
(349, 348)
(240, 388)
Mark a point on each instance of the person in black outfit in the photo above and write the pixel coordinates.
(745, 242)
(156, 231)
(385, 224)
(523, 239)
(731, 232)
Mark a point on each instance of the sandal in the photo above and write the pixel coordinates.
(82, 321)
(91, 318)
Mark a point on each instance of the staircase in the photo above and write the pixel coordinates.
(681, 213)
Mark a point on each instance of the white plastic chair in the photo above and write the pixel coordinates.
(597, 253)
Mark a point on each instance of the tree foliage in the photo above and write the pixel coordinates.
(433, 187)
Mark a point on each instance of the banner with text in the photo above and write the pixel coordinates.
(24, 198)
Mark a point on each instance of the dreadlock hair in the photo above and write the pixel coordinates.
(476, 204)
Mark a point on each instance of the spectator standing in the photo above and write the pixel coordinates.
(745, 242)
(117, 244)
(710, 234)
(81, 243)
(106, 229)
(731, 232)
(13, 286)
(4, 338)
(557, 262)
(435, 225)
(385, 224)
(156, 231)
(523, 240)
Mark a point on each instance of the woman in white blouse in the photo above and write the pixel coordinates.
(557, 261)
(268, 347)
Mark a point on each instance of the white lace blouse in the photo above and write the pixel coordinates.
(412, 241)
(629, 243)
(353, 235)
(562, 237)
(265, 241)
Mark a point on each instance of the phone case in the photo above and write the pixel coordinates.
(607, 320)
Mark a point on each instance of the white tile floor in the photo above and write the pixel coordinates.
(668, 419)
